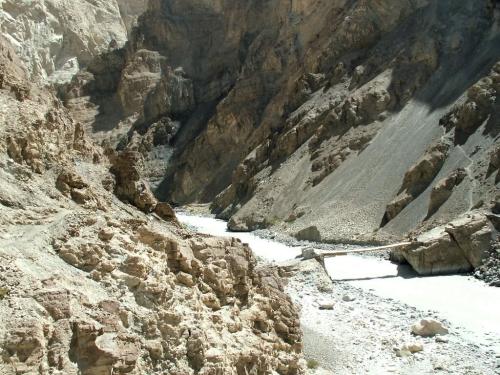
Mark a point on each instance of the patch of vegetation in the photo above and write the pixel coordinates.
(312, 364)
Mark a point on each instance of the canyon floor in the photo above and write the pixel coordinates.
(357, 317)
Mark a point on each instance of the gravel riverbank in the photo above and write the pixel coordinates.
(363, 333)
(352, 329)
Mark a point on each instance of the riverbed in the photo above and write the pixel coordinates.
(385, 295)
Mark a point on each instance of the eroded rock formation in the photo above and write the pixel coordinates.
(91, 285)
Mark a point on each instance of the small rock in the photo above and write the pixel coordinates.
(409, 349)
(348, 298)
(415, 347)
(309, 253)
(429, 328)
(186, 279)
(442, 339)
(326, 305)
(106, 234)
(439, 366)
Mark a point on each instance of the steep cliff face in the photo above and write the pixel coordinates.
(55, 38)
(358, 159)
(92, 285)
(357, 119)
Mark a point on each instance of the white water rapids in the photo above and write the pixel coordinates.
(464, 301)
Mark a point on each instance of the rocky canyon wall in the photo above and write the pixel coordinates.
(97, 276)
(362, 120)
(357, 120)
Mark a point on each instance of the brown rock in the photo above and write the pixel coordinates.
(417, 179)
(126, 166)
(135, 265)
(443, 190)
(428, 328)
(185, 279)
(106, 234)
(165, 211)
(474, 235)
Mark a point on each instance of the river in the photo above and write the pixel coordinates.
(468, 304)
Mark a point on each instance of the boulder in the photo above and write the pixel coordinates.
(309, 234)
(474, 235)
(165, 211)
(309, 253)
(72, 185)
(437, 254)
(459, 246)
(127, 167)
(428, 328)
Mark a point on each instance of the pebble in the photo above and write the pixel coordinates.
(348, 298)
(409, 349)
(442, 339)
(439, 366)
(326, 305)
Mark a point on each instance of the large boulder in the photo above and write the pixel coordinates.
(459, 246)
(309, 234)
(473, 235)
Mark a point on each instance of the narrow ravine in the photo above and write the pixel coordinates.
(375, 304)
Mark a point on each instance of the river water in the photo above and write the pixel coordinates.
(463, 300)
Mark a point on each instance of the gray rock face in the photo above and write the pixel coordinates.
(344, 109)
(359, 152)
(149, 86)
(443, 190)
